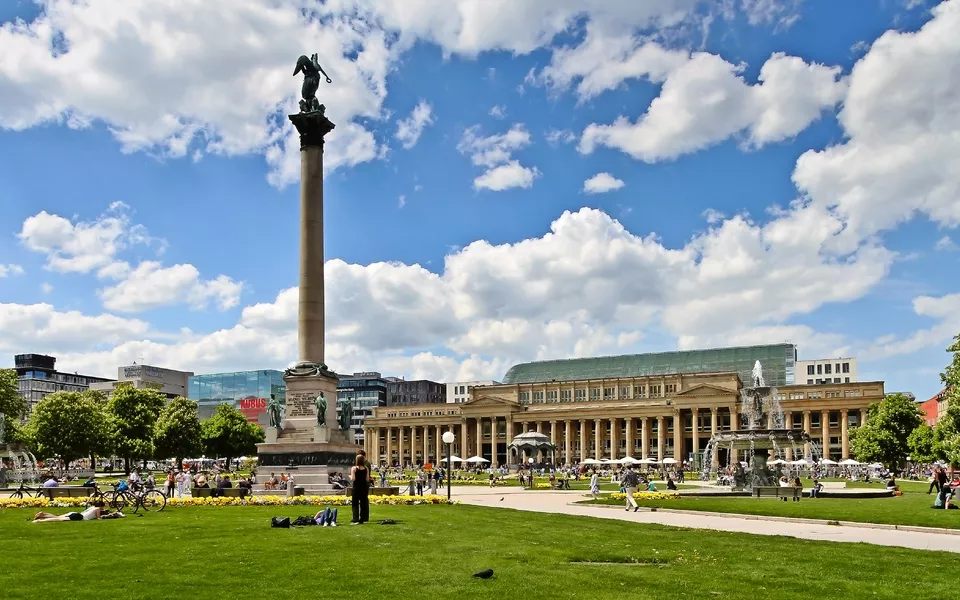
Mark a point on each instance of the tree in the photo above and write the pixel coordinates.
(13, 408)
(883, 438)
(177, 433)
(946, 435)
(69, 425)
(228, 434)
(134, 414)
(921, 444)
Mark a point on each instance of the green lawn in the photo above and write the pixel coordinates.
(432, 551)
(909, 509)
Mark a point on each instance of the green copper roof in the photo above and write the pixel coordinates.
(778, 364)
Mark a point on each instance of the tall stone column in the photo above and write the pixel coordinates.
(808, 428)
(825, 432)
(863, 417)
(438, 453)
(644, 437)
(403, 447)
(494, 440)
(714, 424)
(695, 418)
(661, 437)
(597, 440)
(426, 444)
(844, 435)
(583, 440)
(567, 441)
(677, 436)
(614, 439)
(389, 446)
(630, 427)
(479, 437)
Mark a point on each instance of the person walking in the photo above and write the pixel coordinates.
(630, 482)
(361, 478)
(595, 485)
(171, 483)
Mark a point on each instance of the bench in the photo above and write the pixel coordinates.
(775, 491)
(66, 492)
(378, 491)
(224, 493)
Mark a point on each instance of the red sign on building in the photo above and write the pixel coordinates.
(252, 408)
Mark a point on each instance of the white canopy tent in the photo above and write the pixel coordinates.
(477, 459)
(649, 461)
(670, 461)
(827, 461)
(801, 462)
(628, 460)
(849, 462)
(776, 461)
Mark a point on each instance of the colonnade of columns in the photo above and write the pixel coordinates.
(579, 439)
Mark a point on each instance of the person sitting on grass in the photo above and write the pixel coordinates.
(944, 498)
(651, 486)
(94, 513)
(671, 485)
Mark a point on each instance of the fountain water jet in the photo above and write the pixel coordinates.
(761, 431)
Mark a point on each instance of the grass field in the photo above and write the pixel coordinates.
(909, 509)
(432, 552)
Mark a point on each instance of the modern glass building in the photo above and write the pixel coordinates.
(365, 391)
(778, 362)
(37, 378)
(249, 391)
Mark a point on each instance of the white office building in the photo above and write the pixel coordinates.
(459, 392)
(169, 382)
(826, 370)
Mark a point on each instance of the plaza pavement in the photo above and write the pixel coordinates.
(561, 502)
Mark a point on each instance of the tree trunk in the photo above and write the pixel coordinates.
(93, 463)
(126, 465)
(228, 463)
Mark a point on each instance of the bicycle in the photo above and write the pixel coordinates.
(19, 492)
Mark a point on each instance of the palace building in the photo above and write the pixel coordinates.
(611, 407)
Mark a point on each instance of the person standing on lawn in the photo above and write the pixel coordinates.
(361, 478)
(630, 482)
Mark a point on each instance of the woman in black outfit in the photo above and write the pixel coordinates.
(361, 478)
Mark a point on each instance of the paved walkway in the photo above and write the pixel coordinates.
(559, 502)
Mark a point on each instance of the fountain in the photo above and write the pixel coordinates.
(761, 434)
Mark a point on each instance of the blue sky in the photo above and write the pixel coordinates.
(783, 171)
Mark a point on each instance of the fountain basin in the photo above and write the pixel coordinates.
(760, 439)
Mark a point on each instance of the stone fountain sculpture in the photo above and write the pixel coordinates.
(761, 435)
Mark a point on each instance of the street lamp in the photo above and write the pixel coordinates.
(530, 462)
(448, 439)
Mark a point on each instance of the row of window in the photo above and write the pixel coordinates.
(608, 393)
(828, 368)
(821, 394)
(827, 381)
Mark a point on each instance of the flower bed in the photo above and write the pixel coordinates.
(645, 496)
(249, 501)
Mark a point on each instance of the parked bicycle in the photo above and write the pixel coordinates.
(120, 497)
(26, 490)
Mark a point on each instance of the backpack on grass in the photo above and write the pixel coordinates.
(283, 522)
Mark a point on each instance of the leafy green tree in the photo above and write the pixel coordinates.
(134, 413)
(883, 438)
(946, 435)
(12, 406)
(69, 425)
(228, 434)
(921, 444)
(177, 433)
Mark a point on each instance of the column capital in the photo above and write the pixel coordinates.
(714, 410)
(695, 410)
(844, 411)
(312, 127)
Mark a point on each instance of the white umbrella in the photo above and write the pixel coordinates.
(827, 461)
(649, 461)
(875, 466)
(776, 461)
(477, 459)
(670, 461)
(629, 460)
(850, 462)
(455, 459)
(592, 461)
(801, 462)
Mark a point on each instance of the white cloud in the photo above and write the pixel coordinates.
(559, 136)
(506, 176)
(945, 310)
(901, 155)
(401, 201)
(40, 328)
(410, 129)
(151, 286)
(162, 76)
(495, 152)
(499, 111)
(706, 101)
(8, 270)
(83, 246)
(946, 244)
(601, 183)
(46, 288)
